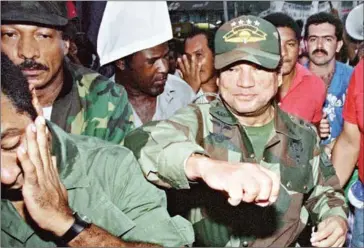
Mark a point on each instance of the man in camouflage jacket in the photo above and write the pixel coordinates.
(79, 100)
(188, 152)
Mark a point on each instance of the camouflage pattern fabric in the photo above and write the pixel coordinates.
(310, 190)
(91, 104)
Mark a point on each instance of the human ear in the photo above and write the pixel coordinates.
(120, 64)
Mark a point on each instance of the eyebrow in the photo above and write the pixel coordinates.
(10, 132)
(324, 36)
(158, 57)
(199, 50)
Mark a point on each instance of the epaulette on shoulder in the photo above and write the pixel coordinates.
(304, 124)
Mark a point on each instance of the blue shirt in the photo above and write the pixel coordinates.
(335, 98)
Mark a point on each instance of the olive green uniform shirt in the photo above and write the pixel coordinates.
(309, 189)
(105, 184)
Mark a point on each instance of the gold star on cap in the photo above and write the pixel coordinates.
(249, 21)
(256, 23)
(241, 22)
(233, 24)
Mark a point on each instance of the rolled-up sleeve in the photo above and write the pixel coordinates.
(163, 147)
(145, 205)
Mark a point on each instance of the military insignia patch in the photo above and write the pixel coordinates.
(245, 31)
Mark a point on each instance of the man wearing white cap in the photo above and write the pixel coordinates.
(349, 148)
(138, 47)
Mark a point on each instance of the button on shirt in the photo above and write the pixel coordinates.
(335, 98)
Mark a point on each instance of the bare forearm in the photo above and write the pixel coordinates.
(344, 157)
(95, 236)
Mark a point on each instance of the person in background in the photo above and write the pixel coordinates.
(141, 59)
(303, 58)
(249, 174)
(77, 99)
(172, 58)
(354, 36)
(197, 64)
(71, 190)
(323, 39)
(349, 148)
(302, 93)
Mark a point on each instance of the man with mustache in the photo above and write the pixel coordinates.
(80, 101)
(323, 39)
(246, 173)
(141, 59)
(302, 93)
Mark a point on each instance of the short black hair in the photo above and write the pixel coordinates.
(15, 86)
(209, 34)
(324, 17)
(281, 20)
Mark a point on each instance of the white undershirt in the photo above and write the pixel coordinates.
(47, 112)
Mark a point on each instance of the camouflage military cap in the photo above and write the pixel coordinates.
(247, 38)
(52, 13)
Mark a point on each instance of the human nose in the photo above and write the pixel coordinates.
(28, 48)
(283, 50)
(319, 42)
(245, 78)
(163, 65)
(10, 170)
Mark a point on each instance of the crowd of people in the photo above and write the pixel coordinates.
(224, 139)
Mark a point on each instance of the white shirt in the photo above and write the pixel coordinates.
(177, 94)
(201, 97)
(47, 112)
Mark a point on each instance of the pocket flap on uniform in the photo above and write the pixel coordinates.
(111, 218)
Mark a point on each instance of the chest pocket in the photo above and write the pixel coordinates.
(102, 212)
(298, 178)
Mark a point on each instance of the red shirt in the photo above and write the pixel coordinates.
(353, 109)
(306, 96)
(71, 9)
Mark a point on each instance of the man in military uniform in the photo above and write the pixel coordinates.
(48, 175)
(237, 145)
(80, 101)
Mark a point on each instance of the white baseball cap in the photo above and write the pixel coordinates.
(354, 22)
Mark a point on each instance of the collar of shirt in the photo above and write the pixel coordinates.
(176, 94)
(163, 100)
(301, 72)
(282, 123)
(67, 153)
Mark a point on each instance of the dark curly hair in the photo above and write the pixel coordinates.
(15, 86)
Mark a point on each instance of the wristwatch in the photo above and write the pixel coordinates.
(80, 224)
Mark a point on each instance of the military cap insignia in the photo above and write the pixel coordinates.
(245, 31)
